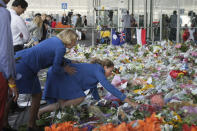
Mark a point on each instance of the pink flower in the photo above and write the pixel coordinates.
(194, 54)
(178, 46)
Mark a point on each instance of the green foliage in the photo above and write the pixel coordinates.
(87, 55)
(136, 87)
(136, 47)
(184, 47)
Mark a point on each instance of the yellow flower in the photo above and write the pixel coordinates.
(159, 61)
(180, 75)
(136, 91)
(178, 117)
(121, 68)
(127, 61)
(147, 86)
(111, 53)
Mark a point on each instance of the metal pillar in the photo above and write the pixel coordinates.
(161, 25)
(138, 13)
(151, 20)
(93, 20)
(145, 13)
(132, 6)
(128, 5)
(178, 21)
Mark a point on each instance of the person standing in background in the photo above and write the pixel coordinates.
(35, 29)
(7, 66)
(127, 27)
(173, 26)
(53, 24)
(78, 23)
(19, 29)
(44, 27)
(85, 22)
(133, 25)
(64, 19)
(74, 20)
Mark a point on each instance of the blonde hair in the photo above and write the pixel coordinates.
(38, 21)
(105, 62)
(67, 36)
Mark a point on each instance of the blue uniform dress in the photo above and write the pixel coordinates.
(48, 53)
(67, 87)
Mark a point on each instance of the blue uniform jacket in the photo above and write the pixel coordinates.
(49, 52)
(65, 86)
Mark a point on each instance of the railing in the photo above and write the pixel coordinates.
(153, 33)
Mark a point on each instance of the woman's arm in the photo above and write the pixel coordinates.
(114, 91)
(58, 59)
(108, 86)
(31, 27)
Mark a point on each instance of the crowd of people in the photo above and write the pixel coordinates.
(19, 67)
(76, 20)
(169, 27)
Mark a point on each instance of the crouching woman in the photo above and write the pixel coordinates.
(65, 90)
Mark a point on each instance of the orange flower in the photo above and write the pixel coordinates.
(66, 126)
(149, 124)
(193, 128)
(60, 25)
(121, 127)
(47, 129)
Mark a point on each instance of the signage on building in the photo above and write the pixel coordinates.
(64, 6)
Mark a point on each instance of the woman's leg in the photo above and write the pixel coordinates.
(62, 104)
(7, 109)
(76, 101)
(35, 42)
(35, 105)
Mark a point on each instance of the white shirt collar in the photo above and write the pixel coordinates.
(13, 11)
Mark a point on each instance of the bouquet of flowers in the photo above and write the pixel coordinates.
(182, 47)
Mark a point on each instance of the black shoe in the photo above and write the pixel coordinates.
(8, 128)
(33, 129)
(30, 129)
(15, 108)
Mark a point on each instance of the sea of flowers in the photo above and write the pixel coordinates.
(161, 77)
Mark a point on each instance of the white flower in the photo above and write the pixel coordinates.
(115, 37)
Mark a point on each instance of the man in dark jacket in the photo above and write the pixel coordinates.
(64, 19)
(173, 26)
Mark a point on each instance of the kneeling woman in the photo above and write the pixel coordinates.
(69, 90)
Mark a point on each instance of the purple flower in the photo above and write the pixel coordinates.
(190, 109)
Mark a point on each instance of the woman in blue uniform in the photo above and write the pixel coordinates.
(69, 90)
(47, 53)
